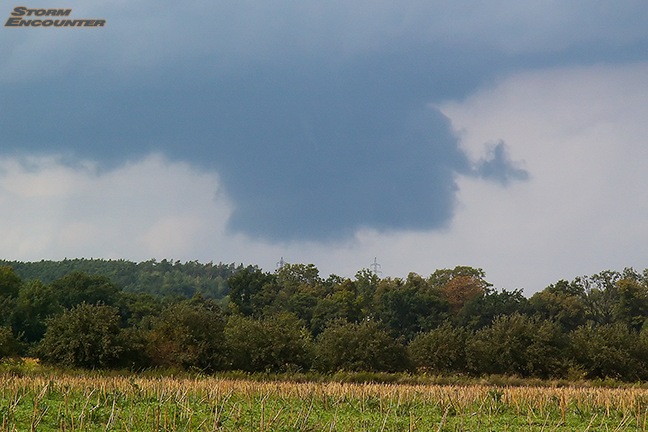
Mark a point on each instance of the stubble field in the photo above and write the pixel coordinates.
(134, 403)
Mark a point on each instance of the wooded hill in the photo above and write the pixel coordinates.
(164, 278)
(119, 314)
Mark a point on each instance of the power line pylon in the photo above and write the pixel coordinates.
(376, 268)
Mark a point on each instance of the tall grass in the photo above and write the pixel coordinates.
(135, 403)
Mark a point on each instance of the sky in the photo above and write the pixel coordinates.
(509, 136)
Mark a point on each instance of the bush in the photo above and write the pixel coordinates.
(9, 346)
(608, 351)
(359, 347)
(441, 350)
(518, 345)
(86, 336)
(188, 334)
(278, 343)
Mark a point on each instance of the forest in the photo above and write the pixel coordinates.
(116, 314)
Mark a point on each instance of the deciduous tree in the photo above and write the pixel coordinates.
(86, 336)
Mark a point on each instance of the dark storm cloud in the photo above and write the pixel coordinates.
(305, 151)
(312, 139)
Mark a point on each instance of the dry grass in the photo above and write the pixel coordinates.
(138, 403)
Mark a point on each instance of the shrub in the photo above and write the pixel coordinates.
(363, 346)
(188, 334)
(275, 344)
(441, 350)
(86, 336)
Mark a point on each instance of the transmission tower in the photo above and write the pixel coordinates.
(375, 267)
(281, 263)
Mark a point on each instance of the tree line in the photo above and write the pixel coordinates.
(451, 322)
(165, 277)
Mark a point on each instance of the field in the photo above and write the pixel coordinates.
(134, 403)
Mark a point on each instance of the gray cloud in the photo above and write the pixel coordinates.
(498, 166)
(318, 122)
(304, 152)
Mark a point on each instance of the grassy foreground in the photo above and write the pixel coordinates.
(95, 403)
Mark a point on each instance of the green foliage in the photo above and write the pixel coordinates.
(609, 351)
(482, 310)
(36, 303)
(343, 304)
(518, 345)
(9, 346)
(161, 278)
(363, 346)
(9, 282)
(138, 309)
(296, 277)
(188, 334)
(303, 306)
(9, 287)
(601, 295)
(166, 314)
(564, 303)
(77, 287)
(441, 350)
(249, 290)
(631, 307)
(274, 343)
(7, 307)
(409, 307)
(86, 336)
(366, 283)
